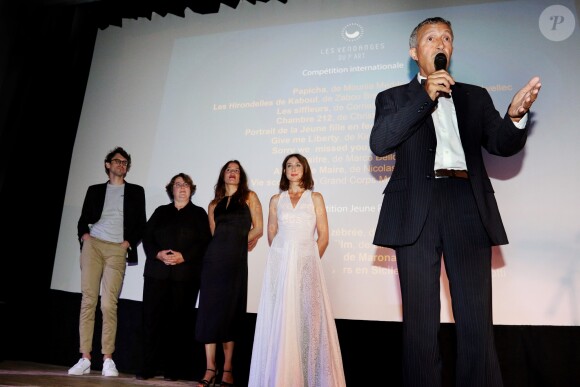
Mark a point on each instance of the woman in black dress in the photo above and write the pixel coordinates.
(235, 219)
(175, 240)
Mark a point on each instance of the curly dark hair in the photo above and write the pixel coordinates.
(111, 155)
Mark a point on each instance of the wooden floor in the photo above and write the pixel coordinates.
(33, 374)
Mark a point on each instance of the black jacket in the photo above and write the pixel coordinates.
(134, 215)
(186, 231)
(403, 125)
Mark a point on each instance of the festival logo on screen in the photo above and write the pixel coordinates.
(356, 47)
(352, 32)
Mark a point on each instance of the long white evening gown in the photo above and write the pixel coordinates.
(295, 342)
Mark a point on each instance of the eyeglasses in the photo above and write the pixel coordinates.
(122, 162)
(181, 185)
(232, 170)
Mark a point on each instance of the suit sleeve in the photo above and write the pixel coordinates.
(399, 113)
(500, 136)
(86, 215)
(135, 226)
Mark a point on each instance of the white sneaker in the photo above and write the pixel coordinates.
(83, 367)
(109, 368)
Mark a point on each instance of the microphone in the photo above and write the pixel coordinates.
(440, 61)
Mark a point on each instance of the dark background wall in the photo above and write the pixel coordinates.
(45, 55)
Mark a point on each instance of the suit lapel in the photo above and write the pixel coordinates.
(460, 101)
(412, 90)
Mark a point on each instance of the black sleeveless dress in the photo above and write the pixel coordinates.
(224, 275)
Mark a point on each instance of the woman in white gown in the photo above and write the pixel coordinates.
(295, 342)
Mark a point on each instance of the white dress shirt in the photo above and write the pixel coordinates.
(449, 153)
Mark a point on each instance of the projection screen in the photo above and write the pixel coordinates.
(260, 81)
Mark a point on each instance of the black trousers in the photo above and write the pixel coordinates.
(453, 229)
(168, 327)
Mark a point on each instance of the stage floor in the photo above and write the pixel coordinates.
(29, 374)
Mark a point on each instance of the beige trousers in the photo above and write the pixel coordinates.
(103, 267)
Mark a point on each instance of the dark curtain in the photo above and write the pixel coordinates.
(45, 60)
(46, 49)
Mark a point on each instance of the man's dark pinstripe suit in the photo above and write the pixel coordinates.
(423, 217)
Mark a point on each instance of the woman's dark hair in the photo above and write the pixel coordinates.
(307, 182)
(186, 178)
(243, 192)
(111, 154)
